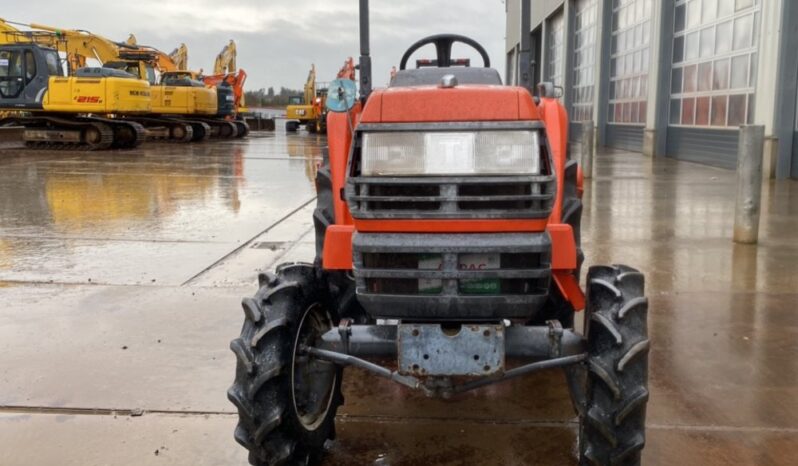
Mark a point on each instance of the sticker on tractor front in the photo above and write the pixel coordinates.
(430, 285)
(479, 262)
(465, 262)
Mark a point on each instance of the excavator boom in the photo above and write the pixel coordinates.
(226, 60)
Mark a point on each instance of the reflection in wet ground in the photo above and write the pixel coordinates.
(200, 198)
(172, 236)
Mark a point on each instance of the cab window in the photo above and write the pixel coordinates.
(151, 77)
(30, 66)
(12, 72)
(53, 64)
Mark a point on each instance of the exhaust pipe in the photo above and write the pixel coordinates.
(365, 58)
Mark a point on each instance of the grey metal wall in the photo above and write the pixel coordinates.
(541, 9)
(624, 137)
(787, 103)
(716, 147)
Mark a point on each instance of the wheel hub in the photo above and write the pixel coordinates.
(312, 379)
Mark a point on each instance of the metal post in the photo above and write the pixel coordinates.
(586, 150)
(749, 184)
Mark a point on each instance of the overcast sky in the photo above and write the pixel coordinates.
(277, 39)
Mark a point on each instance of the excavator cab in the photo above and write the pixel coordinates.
(24, 74)
(31, 77)
(67, 111)
(181, 78)
(136, 68)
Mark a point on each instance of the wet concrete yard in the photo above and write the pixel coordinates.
(121, 275)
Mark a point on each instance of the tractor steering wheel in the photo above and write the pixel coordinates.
(443, 47)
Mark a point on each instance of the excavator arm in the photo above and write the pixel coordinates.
(310, 86)
(180, 57)
(84, 43)
(348, 70)
(235, 81)
(226, 60)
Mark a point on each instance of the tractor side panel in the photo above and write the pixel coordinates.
(339, 141)
(556, 120)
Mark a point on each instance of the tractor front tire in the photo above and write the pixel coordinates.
(286, 400)
(612, 428)
(291, 126)
(324, 213)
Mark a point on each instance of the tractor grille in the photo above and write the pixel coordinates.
(451, 197)
(436, 276)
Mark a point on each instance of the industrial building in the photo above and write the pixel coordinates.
(671, 78)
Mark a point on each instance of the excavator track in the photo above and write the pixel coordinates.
(221, 129)
(202, 130)
(55, 133)
(243, 128)
(166, 129)
(127, 134)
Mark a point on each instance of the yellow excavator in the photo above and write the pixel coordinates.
(308, 109)
(179, 82)
(59, 111)
(228, 82)
(183, 107)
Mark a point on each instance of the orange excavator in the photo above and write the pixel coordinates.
(226, 74)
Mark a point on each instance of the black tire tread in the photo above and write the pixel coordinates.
(613, 429)
(324, 214)
(261, 390)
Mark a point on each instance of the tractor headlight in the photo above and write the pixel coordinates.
(451, 153)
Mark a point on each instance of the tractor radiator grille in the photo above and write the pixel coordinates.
(479, 276)
(451, 197)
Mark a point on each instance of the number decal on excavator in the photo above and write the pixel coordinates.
(88, 99)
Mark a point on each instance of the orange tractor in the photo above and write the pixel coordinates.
(447, 242)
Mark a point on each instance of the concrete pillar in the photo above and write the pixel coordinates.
(659, 67)
(766, 84)
(586, 149)
(749, 184)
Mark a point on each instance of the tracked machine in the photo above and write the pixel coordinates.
(448, 244)
(308, 109)
(65, 112)
(229, 83)
(181, 107)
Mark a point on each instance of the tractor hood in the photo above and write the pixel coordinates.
(459, 103)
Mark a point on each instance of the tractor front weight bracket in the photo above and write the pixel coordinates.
(430, 356)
